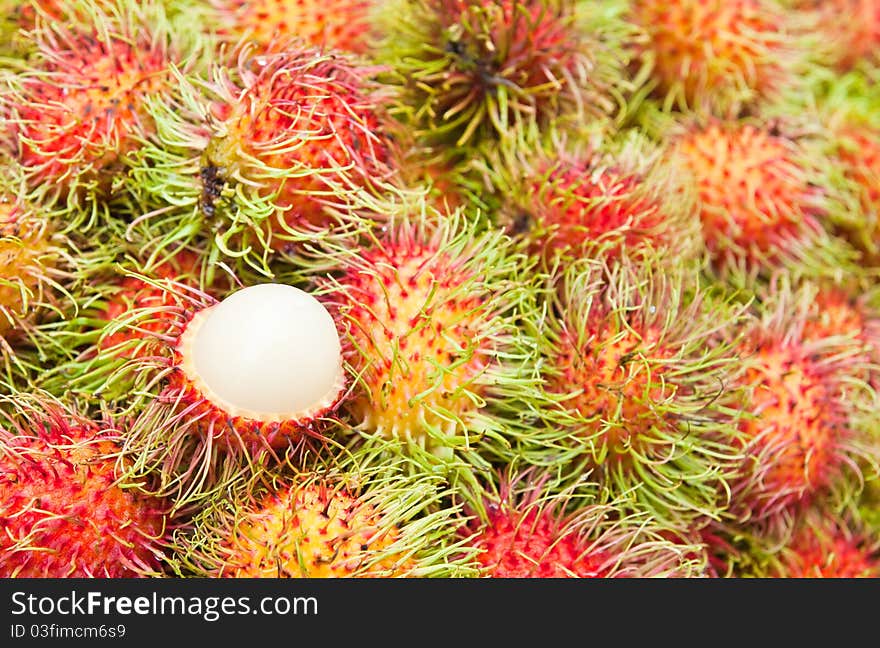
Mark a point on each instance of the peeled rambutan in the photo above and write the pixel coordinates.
(230, 385)
(716, 56)
(63, 508)
(470, 71)
(77, 110)
(802, 394)
(639, 363)
(342, 25)
(327, 523)
(430, 309)
(527, 530)
(763, 199)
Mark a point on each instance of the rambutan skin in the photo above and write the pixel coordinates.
(62, 507)
(532, 528)
(763, 198)
(25, 257)
(639, 361)
(348, 521)
(315, 532)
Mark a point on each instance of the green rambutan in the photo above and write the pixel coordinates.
(716, 56)
(327, 523)
(431, 309)
(640, 363)
(764, 198)
(802, 394)
(76, 111)
(471, 71)
(526, 530)
(342, 25)
(63, 509)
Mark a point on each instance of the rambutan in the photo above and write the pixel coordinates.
(527, 530)
(716, 56)
(823, 547)
(763, 198)
(850, 312)
(261, 154)
(76, 112)
(327, 523)
(848, 31)
(470, 71)
(608, 203)
(801, 397)
(640, 362)
(342, 25)
(122, 310)
(231, 385)
(817, 542)
(64, 511)
(430, 308)
(32, 262)
(849, 106)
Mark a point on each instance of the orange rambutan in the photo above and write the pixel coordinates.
(32, 263)
(300, 127)
(716, 56)
(428, 308)
(763, 199)
(269, 156)
(330, 25)
(638, 361)
(327, 523)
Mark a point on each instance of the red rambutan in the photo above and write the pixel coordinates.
(527, 531)
(63, 510)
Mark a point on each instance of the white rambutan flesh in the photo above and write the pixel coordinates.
(269, 352)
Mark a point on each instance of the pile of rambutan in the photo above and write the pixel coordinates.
(440, 288)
